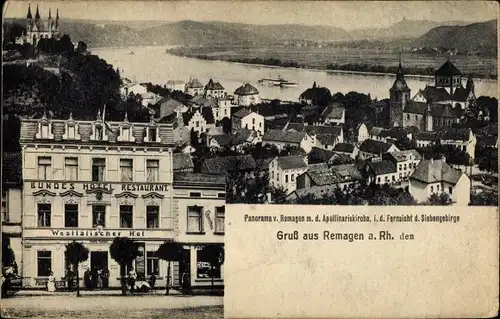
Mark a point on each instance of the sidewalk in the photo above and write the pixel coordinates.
(111, 292)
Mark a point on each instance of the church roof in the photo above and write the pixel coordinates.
(246, 89)
(400, 82)
(448, 69)
(460, 95)
(437, 109)
(435, 94)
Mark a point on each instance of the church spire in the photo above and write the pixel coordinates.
(400, 73)
(50, 14)
(37, 14)
(29, 16)
(57, 18)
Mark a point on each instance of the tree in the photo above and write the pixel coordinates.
(75, 254)
(226, 125)
(169, 251)
(65, 44)
(82, 48)
(442, 199)
(215, 254)
(278, 195)
(124, 250)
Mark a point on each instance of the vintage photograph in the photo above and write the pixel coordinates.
(128, 126)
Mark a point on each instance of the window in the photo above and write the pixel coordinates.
(44, 263)
(126, 134)
(437, 188)
(197, 124)
(44, 215)
(70, 215)
(195, 194)
(378, 180)
(464, 148)
(260, 124)
(44, 167)
(153, 264)
(400, 166)
(152, 216)
(5, 210)
(126, 170)
(277, 176)
(98, 132)
(152, 170)
(253, 121)
(194, 219)
(286, 178)
(272, 174)
(450, 189)
(98, 169)
(293, 177)
(219, 219)
(98, 215)
(45, 131)
(204, 265)
(386, 179)
(71, 168)
(126, 216)
(432, 189)
(393, 178)
(221, 195)
(405, 167)
(152, 134)
(71, 132)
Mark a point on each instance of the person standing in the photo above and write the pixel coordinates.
(51, 283)
(105, 278)
(86, 278)
(132, 278)
(70, 276)
(186, 285)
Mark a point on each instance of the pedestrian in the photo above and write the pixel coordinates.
(186, 285)
(86, 278)
(132, 278)
(152, 281)
(99, 279)
(105, 278)
(51, 283)
(70, 276)
(93, 278)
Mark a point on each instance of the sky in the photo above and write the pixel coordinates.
(344, 14)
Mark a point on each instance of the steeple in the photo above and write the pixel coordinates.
(57, 19)
(400, 73)
(29, 16)
(37, 14)
(50, 14)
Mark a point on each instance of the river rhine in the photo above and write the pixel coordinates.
(152, 64)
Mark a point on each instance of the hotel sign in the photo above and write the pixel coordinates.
(130, 187)
(94, 234)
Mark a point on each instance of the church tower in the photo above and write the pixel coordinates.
(399, 94)
(29, 19)
(38, 23)
(50, 24)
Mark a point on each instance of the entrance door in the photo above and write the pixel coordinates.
(185, 269)
(99, 260)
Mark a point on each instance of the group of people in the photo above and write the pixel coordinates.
(138, 282)
(96, 278)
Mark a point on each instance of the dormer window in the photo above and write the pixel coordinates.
(152, 134)
(98, 132)
(126, 134)
(71, 132)
(45, 130)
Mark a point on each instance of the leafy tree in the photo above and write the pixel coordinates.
(65, 44)
(441, 199)
(484, 198)
(487, 159)
(489, 103)
(169, 251)
(75, 254)
(124, 250)
(81, 47)
(8, 256)
(226, 125)
(278, 195)
(242, 187)
(215, 254)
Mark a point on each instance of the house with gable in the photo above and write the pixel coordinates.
(194, 87)
(283, 171)
(246, 119)
(200, 120)
(436, 177)
(246, 95)
(372, 148)
(215, 90)
(282, 139)
(333, 114)
(462, 138)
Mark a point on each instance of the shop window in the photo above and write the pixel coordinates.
(152, 264)
(126, 216)
(152, 170)
(205, 268)
(44, 263)
(70, 215)
(195, 219)
(219, 219)
(71, 168)
(44, 215)
(99, 215)
(126, 170)
(152, 216)
(98, 169)
(44, 167)
(5, 210)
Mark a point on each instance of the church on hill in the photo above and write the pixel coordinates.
(433, 107)
(37, 29)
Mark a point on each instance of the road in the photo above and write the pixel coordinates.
(114, 306)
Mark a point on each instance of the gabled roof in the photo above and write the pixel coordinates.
(376, 131)
(454, 134)
(194, 84)
(344, 147)
(435, 94)
(182, 161)
(320, 129)
(324, 175)
(181, 178)
(425, 136)
(242, 113)
(437, 109)
(406, 155)
(327, 139)
(291, 162)
(297, 127)
(200, 100)
(460, 95)
(169, 106)
(263, 163)
(222, 165)
(432, 171)
(211, 85)
(347, 171)
(280, 136)
(448, 69)
(374, 147)
(333, 112)
(382, 167)
(12, 168)
(319, 155)
(246, 89)
(223, 140)
(314, 92)
(208, 115)
(244, 135)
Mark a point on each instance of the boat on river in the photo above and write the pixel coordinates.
(277, 82)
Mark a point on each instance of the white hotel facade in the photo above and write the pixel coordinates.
(90, 183)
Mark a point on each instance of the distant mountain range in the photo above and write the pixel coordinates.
(476, 37)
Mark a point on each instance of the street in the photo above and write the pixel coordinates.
(112, 306)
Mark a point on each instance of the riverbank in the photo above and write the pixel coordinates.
(264, 60)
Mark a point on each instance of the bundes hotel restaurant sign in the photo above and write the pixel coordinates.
(124, 187)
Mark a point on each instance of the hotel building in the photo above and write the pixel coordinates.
(91, 181)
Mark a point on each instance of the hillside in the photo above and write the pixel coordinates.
(476, 38)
